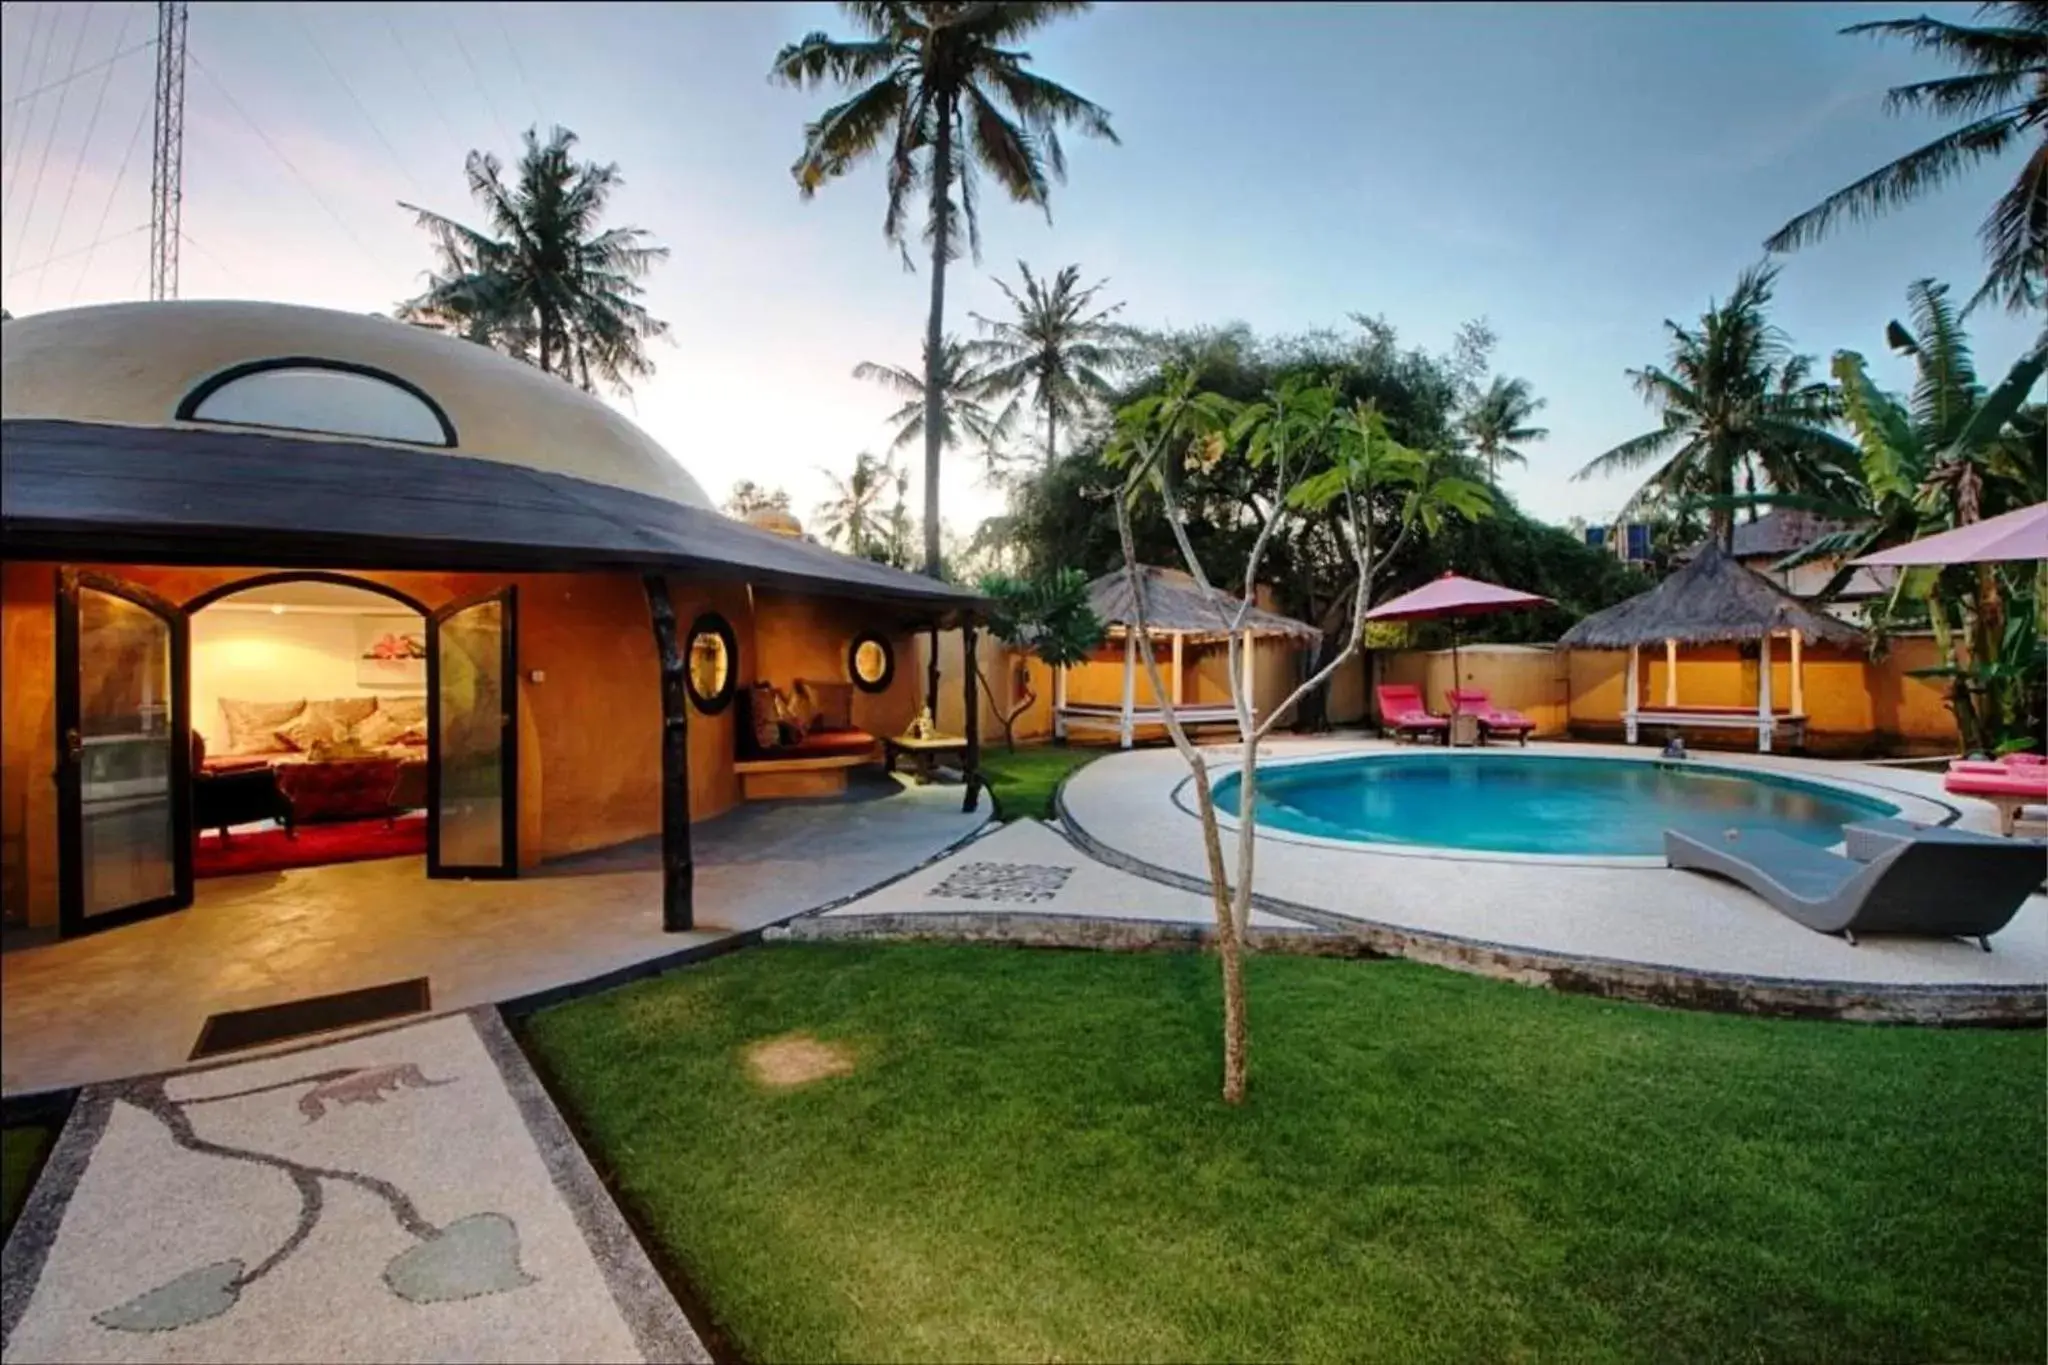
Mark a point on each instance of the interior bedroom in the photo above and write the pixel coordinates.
(309, 728)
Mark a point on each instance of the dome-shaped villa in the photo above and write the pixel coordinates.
(281, 580)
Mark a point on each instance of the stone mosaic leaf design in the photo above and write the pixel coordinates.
(194, 1296)
(1024, 883)
(470, 1257)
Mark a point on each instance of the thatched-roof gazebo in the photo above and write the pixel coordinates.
(1177, 611)
(1712, 600)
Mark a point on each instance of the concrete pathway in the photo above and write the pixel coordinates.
(409, 1195)
(132, 1000)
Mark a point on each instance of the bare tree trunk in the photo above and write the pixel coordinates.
(1051, 435)
(934, 339)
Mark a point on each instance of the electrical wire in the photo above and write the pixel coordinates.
(35, 188)
(8, 150)
(190, 241)
(455, 31)
(49, 261)
(142, 119)
(307, 29)
(82, 72)
(498, 17)
(92, 124)
(426, 87)
(278, 152)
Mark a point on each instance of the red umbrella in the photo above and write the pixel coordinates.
(1454, 596)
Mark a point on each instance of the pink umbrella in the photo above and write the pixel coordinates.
(1454, 596)
(2013, 535)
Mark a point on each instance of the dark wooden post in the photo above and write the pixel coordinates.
(678, 872)
(931, 678)
(972, 761)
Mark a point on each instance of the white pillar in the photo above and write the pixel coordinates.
(1671, 673)
(1798, 675)
(1130, 681)
(1059, 701)
(1764, 722)
(1248, 681)
(1628, 692)
(1176, 668)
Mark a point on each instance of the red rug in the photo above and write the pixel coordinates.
(270, 850)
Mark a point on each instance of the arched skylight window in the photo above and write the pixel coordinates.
(332, 397)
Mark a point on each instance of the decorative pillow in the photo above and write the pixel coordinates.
(310, 732)
(761, 708)
(405, 710)
(380, 728)
(791, 717)
(252, 725)
(340, 749)
(347, 712)
(826, 705)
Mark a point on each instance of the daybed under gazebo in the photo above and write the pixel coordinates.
(1712, 600)
(1178, 614)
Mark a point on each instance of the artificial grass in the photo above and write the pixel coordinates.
(1030, 1161)
(21, 1152)
(1022, 781)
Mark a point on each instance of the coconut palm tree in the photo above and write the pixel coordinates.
(542, 281)
(2002, 102)
(1499, 420)
(855, 517)
(1738, 408)
(956, 401)
(1056, 351)
(941, 95)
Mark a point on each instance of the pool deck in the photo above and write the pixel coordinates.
(1624, 927)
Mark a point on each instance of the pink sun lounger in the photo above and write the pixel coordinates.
(2011, 787)
(1402, 711)
(1493, 720)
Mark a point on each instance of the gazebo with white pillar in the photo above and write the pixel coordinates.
(1712, 600)
(1178, 614)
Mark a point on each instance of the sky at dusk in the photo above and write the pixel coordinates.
(1573, 174)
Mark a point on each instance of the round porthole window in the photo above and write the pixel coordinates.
(871, 662)
(713, 658)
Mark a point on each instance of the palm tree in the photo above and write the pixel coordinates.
(2002, 100)
(1499, 419)
(956, 401)
(854, 516)
(544, 284)
(940, 96)
(749, 497)
(1055, 349)
(1738, 406)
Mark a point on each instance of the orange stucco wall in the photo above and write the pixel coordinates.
(1519, 677)
(590, 767)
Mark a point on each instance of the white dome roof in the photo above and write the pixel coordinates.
(314, 373)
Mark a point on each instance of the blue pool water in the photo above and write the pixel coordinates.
(1541, 804)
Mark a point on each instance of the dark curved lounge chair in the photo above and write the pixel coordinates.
(1939, 882)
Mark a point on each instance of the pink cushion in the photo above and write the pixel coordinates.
(1976, 783)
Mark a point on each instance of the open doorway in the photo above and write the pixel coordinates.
(309, 726)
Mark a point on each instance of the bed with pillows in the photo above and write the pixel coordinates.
(341, 758)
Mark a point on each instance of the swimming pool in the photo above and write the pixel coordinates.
(1541, 804)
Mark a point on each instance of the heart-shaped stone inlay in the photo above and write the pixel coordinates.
(193, 1297)
(470, 1257)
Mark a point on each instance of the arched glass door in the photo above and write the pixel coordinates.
(473, 737)
(124, 754)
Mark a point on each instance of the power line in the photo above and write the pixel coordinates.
(426, 87)
(92, 124)
(83, 71)
(278, 152)
(225, 268)
(498, 18)
(49, 261)
(113, 192)
(36, 186)
(455, 31)
(306, 28)
(28, 56)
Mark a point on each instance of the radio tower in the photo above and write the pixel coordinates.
(167, 164)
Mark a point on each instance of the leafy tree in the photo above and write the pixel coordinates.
(749, 497)
(1949, 455)
(1739, 409)
(2001, 100)
(1498, 421)
(1049, 618)
(1322, 455)
(956, 404)
(941, 96)
(543, 282)
(855, 517)
(1056, 351)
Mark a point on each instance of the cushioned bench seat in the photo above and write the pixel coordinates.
(815, 766)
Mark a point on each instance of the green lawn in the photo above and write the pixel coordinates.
(1029, 1162)
(21, 1150)
(1022, 781)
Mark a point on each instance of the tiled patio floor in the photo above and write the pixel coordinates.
(132, 1000)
